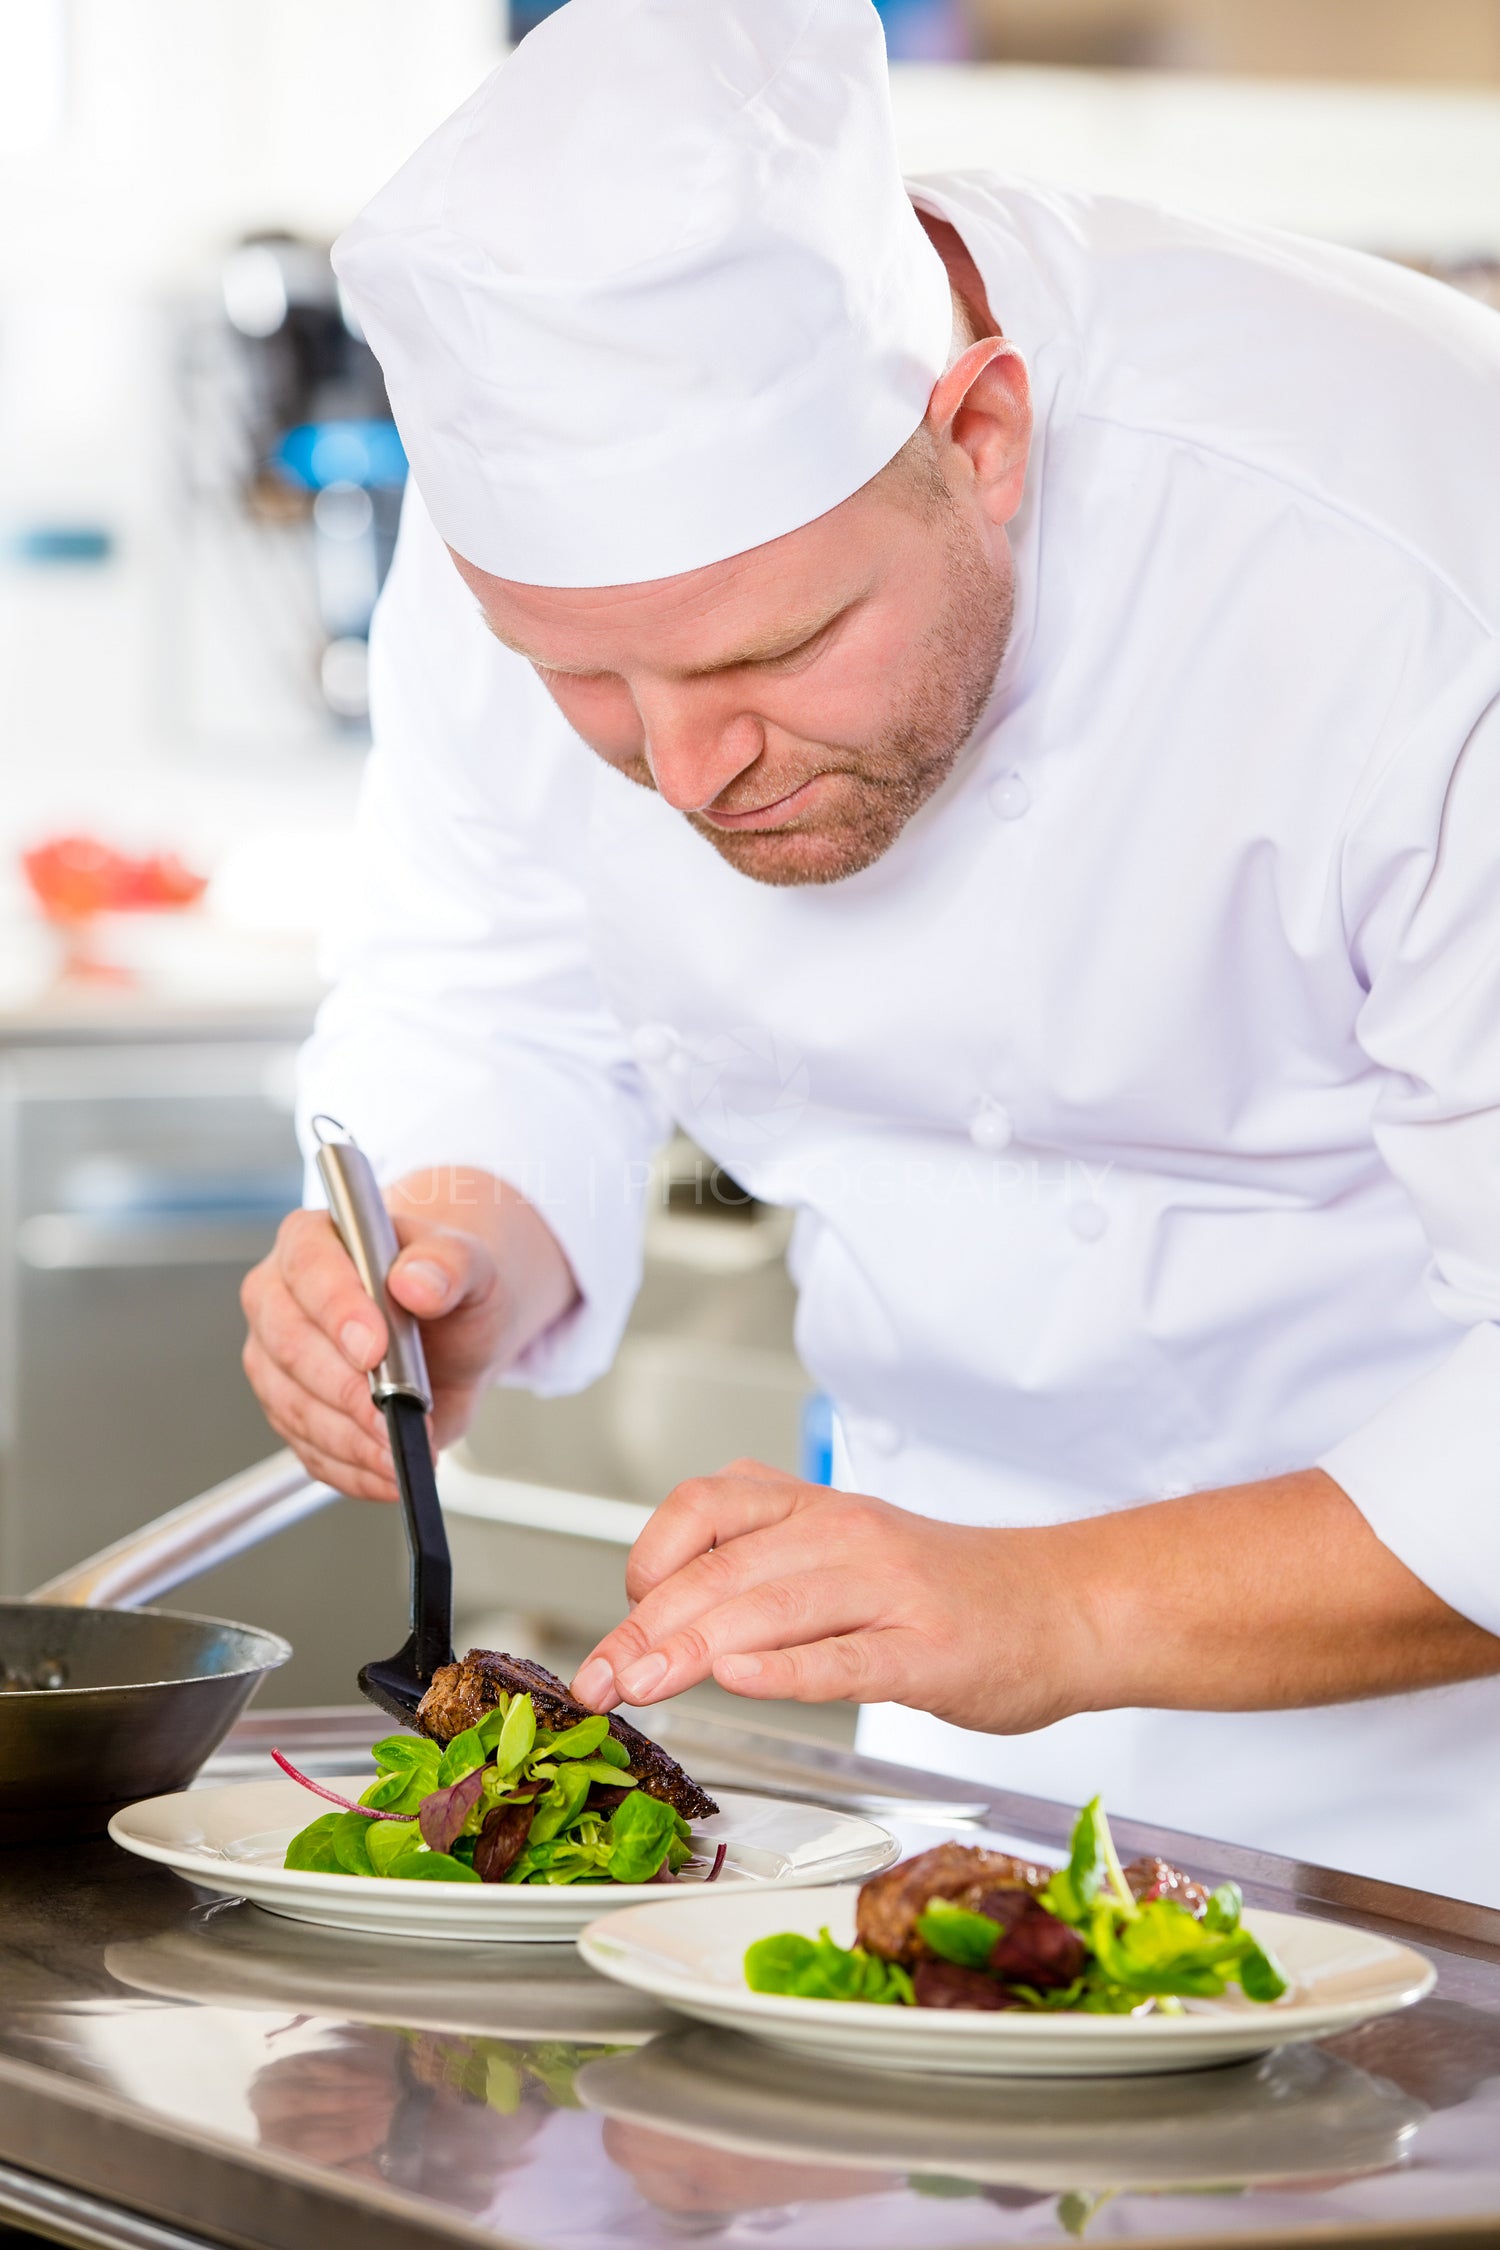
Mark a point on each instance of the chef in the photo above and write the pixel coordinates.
(980, 704)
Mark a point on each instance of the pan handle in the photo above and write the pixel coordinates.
(218, 1525)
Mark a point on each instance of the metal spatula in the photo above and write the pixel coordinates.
(400, 1389)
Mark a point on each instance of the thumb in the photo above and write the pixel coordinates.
(436, 1274)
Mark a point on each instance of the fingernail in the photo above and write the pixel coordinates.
(430, 1279)
(636, 1684)
(732, 1668)
(359, 1343)
(595, 1684)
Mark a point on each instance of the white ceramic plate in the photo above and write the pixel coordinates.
(233, 1840)
(690, 1952)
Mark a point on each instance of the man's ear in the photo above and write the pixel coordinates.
(982, 409)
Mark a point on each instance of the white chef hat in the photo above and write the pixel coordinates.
(655, 294)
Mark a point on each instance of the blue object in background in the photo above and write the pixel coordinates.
(815, 1465)
(926, 30)
(46, 546)
(318, 454)
(525, 15)
(915, 30)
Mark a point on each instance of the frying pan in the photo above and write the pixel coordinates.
(145, 1695)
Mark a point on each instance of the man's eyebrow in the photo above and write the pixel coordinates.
(785, 643)
(504, 638)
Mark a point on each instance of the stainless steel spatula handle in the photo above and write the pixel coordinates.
(358, 1210)
(400, 1388)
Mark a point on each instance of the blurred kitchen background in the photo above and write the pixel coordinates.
(199, 485)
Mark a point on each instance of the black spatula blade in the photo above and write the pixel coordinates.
(398, 1683)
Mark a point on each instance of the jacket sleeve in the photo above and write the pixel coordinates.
(465, 1026)
(1423, 871)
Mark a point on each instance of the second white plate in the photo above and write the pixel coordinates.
(690, 1952)
(233, 1840)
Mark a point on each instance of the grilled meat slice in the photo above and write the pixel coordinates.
(460, 1695)
(1158, 1878)
(889, 1904)
(1034, 1947)
(943, 1984)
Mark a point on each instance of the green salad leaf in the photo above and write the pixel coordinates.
(465, 1754)
(517, 1737)
(388, 1841)
(423, 1866)
(956, 1933)
(641, 1833)
(408, 1773)
(583, 1740)
(804, 1968)
(560, 1806)
(311, 1851)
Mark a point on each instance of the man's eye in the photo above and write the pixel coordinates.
(792, 659)
(571, 679)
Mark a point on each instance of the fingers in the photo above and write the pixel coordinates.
(707, 1512)
(778, 1613)
(795, 1531)
(807, 1541)
(291, 1342)
(771, 1589)
(314, 1336)
(441, 1271)
(305, 1308)
(330, 1445)
(319, 1275)
(862, 1667)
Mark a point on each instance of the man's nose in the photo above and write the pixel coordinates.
(694, 747)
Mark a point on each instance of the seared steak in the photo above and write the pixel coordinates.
(889, 1904)
(1158, 1878)
(1033, 1947)
(943, 1984)
(460, 1695)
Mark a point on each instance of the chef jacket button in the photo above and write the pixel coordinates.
(652, 1043)
(1009, 797)
(881, 1437)
(1088, 1220)
(992, 1128)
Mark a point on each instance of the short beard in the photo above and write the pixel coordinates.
(952, 672)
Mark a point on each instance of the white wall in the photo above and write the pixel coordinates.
(186, 122)
(1409, 172)
(190, 120)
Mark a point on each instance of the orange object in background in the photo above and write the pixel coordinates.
(75, 877)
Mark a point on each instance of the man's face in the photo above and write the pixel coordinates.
(797, 703)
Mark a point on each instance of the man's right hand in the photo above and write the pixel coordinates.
(314, 1336)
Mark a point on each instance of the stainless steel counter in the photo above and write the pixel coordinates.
(175, 2071)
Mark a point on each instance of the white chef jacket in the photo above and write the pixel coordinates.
(1140, 1109)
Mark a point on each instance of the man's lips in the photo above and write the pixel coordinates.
(774, 815)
